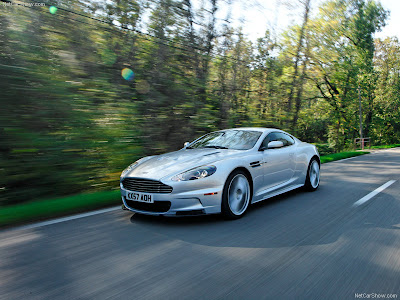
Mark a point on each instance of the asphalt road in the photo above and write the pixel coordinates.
(296, 246)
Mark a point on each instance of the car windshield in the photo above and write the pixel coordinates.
(229, 139)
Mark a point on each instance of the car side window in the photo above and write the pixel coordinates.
(269, 138)
(277, 136)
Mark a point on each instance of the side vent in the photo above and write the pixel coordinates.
(255, 164)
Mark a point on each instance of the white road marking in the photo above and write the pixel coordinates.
(373, 193)
(65, 219)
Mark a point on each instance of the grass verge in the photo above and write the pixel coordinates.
(385, 146)
(52, 208)
(341, 155)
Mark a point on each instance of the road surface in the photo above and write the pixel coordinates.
(300, 245)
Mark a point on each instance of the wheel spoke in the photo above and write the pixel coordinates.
(238, 205)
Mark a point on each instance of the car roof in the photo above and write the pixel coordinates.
(261, 129)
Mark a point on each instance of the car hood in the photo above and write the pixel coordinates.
(176, 162)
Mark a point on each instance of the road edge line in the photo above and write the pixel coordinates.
(64, 219)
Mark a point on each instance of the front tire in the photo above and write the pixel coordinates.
(236, 196)
(313, 174)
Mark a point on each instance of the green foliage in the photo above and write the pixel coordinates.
(385, 146)
(386, 126)
(325, 149)
(66, 125)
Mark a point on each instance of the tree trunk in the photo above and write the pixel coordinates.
(298, 54)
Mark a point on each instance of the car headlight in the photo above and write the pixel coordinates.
(131, 166)
(196, 173)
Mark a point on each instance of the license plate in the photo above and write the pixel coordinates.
(141, 197)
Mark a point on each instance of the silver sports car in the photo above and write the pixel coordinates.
(220, 172)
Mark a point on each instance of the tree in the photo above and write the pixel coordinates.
(341, 59)
(385, 125)
(297, 81)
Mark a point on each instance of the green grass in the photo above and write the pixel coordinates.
(51, 208)
(385, 146)
(341, 155)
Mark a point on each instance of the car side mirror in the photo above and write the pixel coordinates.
(185, 144)
(275, 144)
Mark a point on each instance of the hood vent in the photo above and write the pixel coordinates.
(211, 153)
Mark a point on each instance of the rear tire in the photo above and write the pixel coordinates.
(313, 174)
(236, 196)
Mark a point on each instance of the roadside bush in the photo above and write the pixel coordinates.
(324, 149)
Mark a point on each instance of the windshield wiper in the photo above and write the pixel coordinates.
(216, 147)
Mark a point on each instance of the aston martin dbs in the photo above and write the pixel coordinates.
(221, 172)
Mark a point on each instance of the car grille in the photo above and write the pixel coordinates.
(145, 185)
(157, 206)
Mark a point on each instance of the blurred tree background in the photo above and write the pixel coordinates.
(70, 122)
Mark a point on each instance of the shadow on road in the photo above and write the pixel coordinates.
(297, 218)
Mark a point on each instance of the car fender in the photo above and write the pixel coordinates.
(305, 152)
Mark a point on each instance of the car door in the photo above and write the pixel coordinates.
(278, 163)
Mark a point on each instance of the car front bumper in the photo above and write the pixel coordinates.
(197, 202)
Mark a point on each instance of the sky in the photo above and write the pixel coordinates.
(255, 16)
(393, 24)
